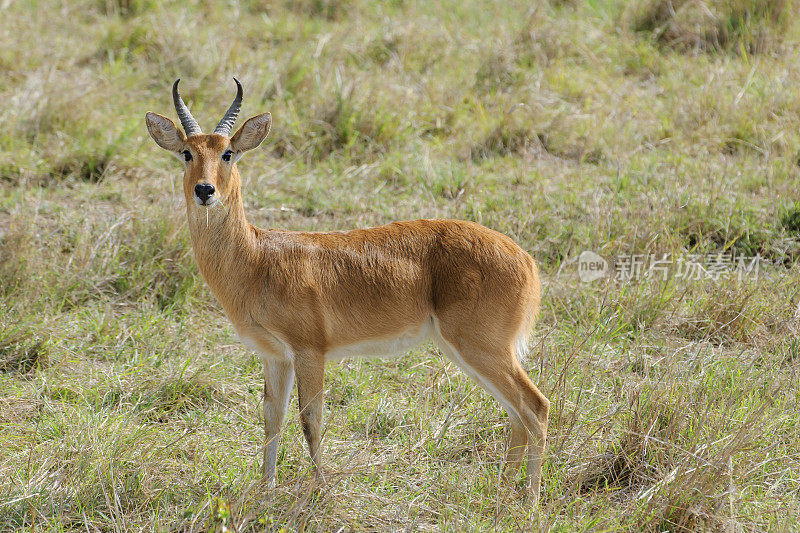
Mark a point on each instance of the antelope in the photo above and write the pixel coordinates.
(300, 298)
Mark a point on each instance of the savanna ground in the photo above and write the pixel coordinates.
(620, 127)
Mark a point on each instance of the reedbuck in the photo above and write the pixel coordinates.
(302, 298)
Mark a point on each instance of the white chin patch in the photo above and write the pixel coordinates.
(211, 202)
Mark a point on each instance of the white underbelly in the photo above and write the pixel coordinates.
(383, 347)
(279, 350)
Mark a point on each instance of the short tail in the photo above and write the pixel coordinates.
(522, 342)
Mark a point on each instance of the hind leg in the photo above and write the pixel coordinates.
(516, 449)
(535, 408)
(533, 478)
(499, 372)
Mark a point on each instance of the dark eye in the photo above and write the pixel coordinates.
(187, 155)
(227, 155)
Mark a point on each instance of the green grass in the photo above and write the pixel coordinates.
(126, 402)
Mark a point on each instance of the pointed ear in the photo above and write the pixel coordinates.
(251, 133)
(165, 133)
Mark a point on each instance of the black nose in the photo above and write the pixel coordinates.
(203, 191)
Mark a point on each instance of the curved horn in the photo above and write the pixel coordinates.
(225, 125)
(190, 125)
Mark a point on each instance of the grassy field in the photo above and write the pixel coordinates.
(622, 128)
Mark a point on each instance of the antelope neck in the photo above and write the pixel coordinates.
(225, 246)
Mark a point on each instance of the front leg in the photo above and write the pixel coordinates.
(278, 377)
(310, 369)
